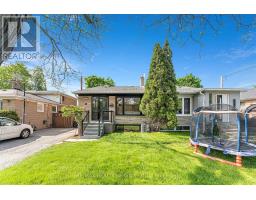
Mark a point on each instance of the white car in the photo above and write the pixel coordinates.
(12, 129)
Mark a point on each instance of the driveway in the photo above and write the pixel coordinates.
(15, 150)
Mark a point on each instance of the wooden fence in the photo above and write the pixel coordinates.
(58, 121)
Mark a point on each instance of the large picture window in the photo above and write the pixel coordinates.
(128, 106)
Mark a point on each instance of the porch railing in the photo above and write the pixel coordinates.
(102, 120)
(85, 121)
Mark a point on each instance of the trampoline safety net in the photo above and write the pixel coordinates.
(222, 127)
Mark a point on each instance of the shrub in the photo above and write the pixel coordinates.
(10, 114)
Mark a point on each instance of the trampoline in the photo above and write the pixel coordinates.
(224, 128)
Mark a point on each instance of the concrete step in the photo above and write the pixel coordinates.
(90, 137)
(90, 132)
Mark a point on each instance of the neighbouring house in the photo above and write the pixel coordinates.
(248, 97)
(121, 104)
(61, 98)
(31, 109)
(58, 121)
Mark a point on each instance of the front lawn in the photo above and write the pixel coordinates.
(127, 158)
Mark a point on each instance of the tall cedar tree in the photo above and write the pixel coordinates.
(160, 100)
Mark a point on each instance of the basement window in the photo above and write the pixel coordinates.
(128, 127)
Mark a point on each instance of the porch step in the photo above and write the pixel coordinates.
(90, 137)
(91, 131)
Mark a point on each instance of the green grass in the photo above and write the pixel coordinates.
(128, 158)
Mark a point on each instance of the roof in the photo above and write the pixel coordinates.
(140, 90)
(224, 89)
(13, 93)
(249, 94)
(48, 92)
(112, 90)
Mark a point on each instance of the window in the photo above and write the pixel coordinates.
(219, 102)
(210, 99)
(186, 106)
(119, 106)
(128, 127)
(179, 106)
(54, 109)
(234, 103)
(128, 106)
(62, 99)
(40, 107)
(183, 128)
(7, 122)
(131, 106)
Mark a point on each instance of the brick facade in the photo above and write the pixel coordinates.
(38, 119)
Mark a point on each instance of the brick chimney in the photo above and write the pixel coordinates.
(142, 80)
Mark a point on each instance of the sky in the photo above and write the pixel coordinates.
(125, 49)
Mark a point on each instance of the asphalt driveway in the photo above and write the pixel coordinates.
(15, 150)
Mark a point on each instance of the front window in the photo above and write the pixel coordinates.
(128, 105)
(210, 99)
(184, 107)
(179, 106)
(40, 107)
(234, 103)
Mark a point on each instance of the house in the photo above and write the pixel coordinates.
(248, 97)
(61, 98)
(121, 104)
(31, 109)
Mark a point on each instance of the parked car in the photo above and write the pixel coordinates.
(12, 129)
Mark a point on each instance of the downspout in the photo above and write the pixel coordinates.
(201, 92)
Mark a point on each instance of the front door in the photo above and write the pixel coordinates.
(223, 99)
(99, 104)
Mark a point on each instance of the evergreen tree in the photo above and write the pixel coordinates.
(38, 81)
(160, 100)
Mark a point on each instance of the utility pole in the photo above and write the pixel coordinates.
(24, 103)
(81, 83)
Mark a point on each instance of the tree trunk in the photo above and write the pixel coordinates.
(80, 132)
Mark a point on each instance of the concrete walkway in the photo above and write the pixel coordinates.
(15, 150)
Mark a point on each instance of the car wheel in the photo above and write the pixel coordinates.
(25, 133)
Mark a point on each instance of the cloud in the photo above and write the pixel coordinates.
(236, 53)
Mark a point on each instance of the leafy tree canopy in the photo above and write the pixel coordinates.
(189, 80)
(17, 73)
(38, 81)
(94, 81)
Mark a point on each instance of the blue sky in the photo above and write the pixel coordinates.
(125, 49)
(127, 45)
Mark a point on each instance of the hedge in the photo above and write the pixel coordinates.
(10, 114)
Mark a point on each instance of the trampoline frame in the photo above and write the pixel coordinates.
(195, 141)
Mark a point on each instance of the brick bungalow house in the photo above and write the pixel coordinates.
(38, 110)
(121, 104)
